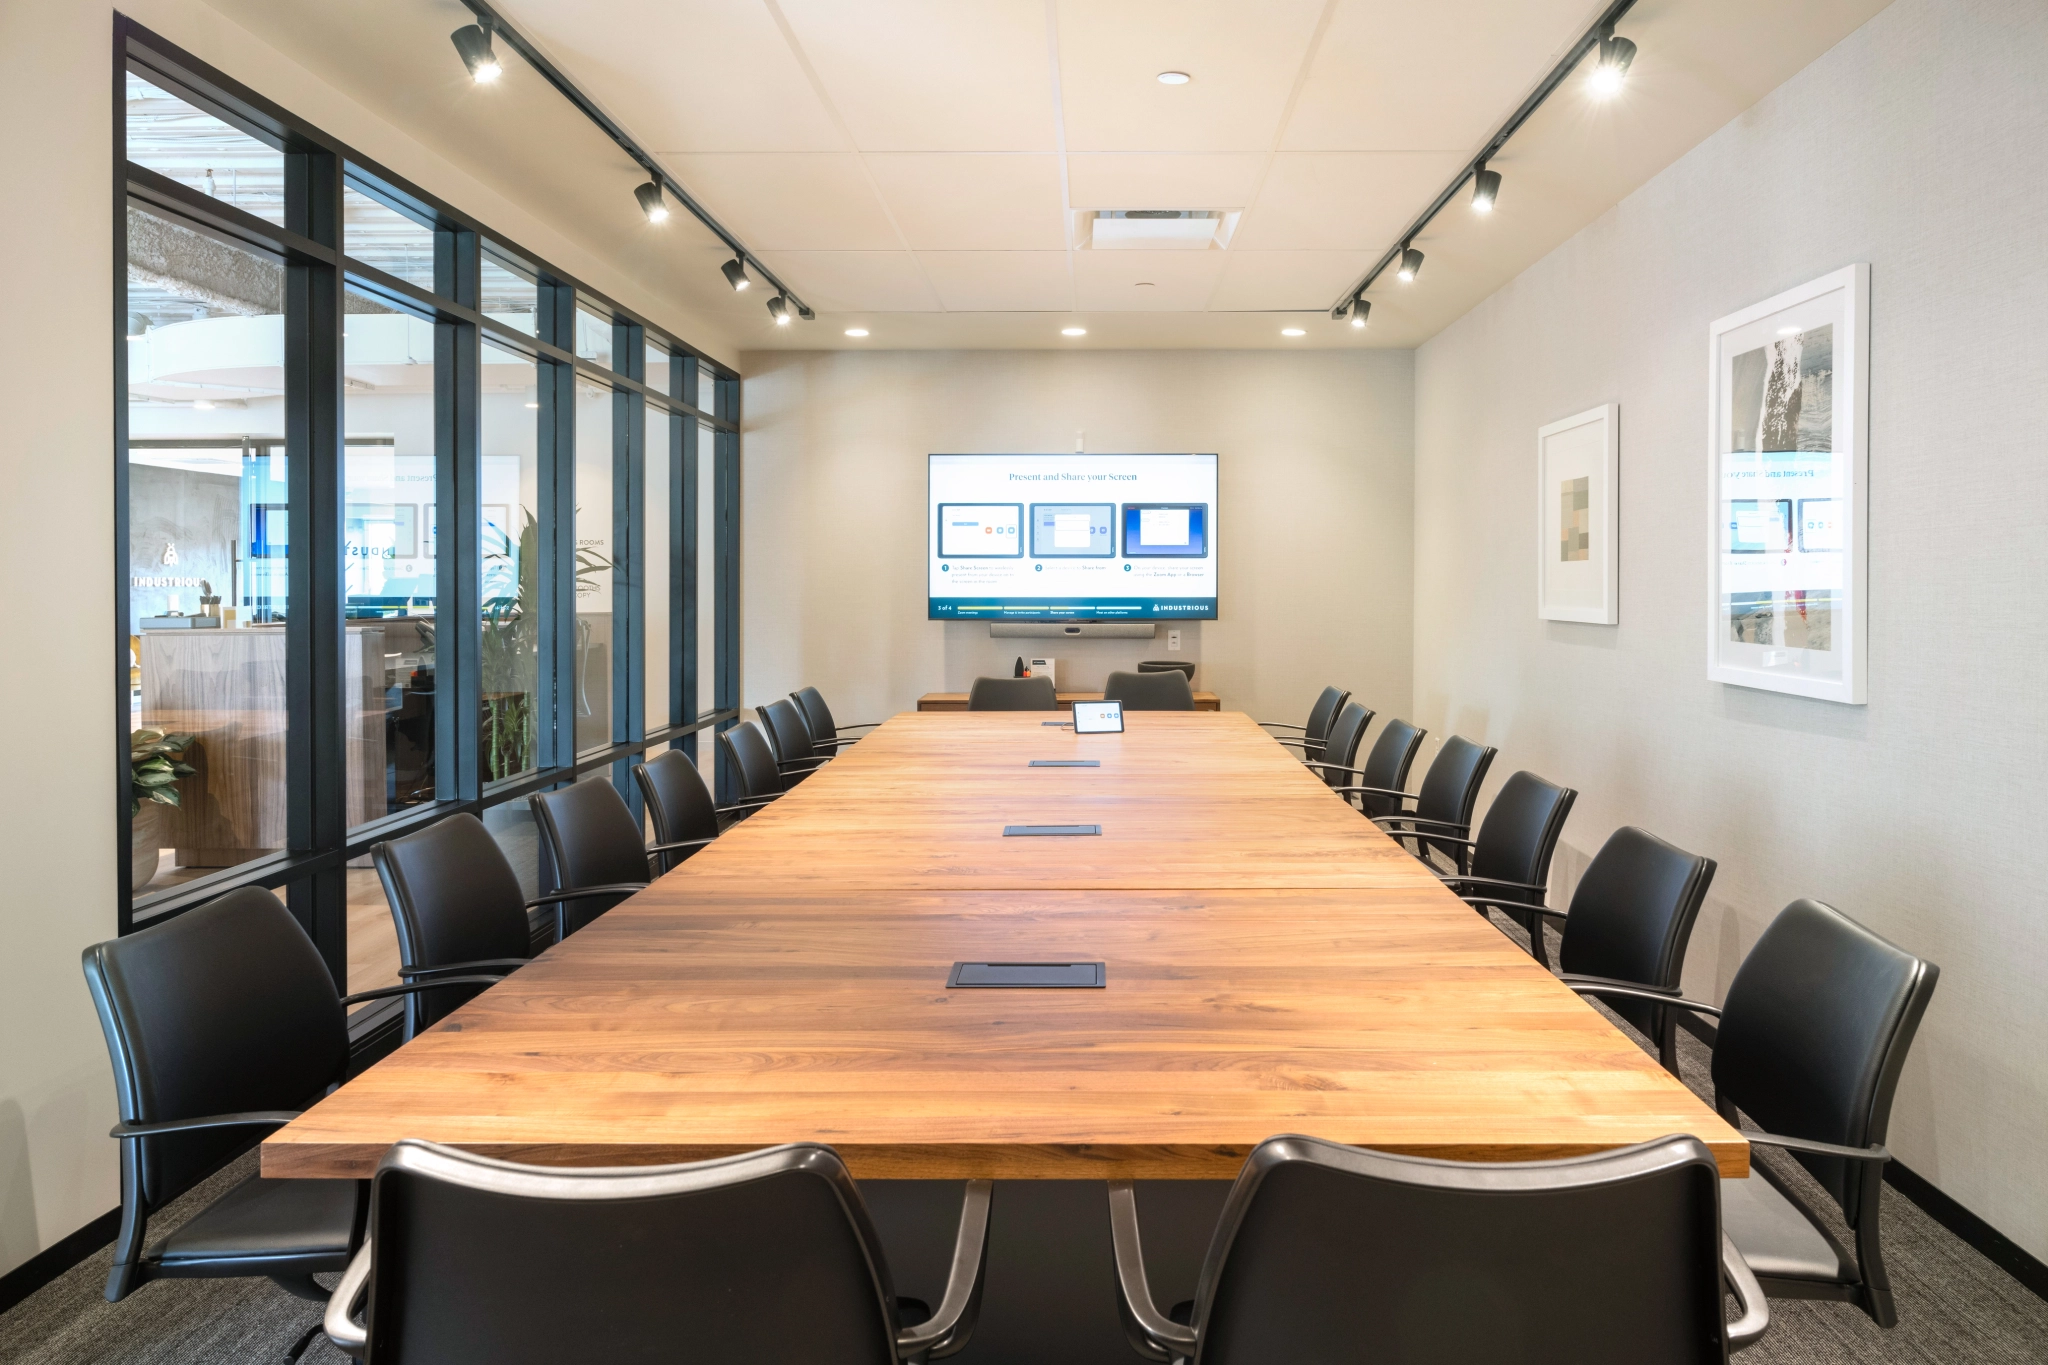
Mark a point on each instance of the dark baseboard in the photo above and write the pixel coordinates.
(1993, 1245)
(56, 1258)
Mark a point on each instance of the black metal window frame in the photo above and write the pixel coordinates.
(311, 248)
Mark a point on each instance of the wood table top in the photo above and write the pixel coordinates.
(789, 984)
(957, 701)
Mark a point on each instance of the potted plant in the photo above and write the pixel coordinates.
(155, 763)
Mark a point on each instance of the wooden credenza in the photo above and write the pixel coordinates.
(957, 701)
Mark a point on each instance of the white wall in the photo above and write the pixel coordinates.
(1314, 515)
(1916, 145)
(58, 1170)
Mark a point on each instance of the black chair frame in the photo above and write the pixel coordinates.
(811, 718)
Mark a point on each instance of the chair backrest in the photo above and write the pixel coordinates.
(1814, 1030)
(1150, 691)
(1450, 789)
(1340, 744)
(226, 1009)
(1632, 914)
(1519, 834)
(1386, 766)
(1322, 1246)
(817, 716)
(753, 759)
(454, 898)
(765, 1257)
(588, 837)
(1322, 713)
(678, 802)
(787, 731)
(1012, 694)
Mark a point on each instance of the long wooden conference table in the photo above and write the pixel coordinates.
(1273, 964)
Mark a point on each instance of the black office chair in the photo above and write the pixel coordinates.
(1444, 805)
(1813, 1035)
(1340, 744)
(1150, 691)
(1385, 769)
(1319, 717)
(590, 845)
(1012, 694)
(1326, 1252)
(818, 716)
(795, 755)
(767, 1257)
(753, 760)
(222, 1024)
(1508, 863)
(685, 815)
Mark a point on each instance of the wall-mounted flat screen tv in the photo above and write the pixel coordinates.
(1071, 538)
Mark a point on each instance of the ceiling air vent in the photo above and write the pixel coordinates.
(1157, 229)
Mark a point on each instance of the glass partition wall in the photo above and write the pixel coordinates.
(408, 522)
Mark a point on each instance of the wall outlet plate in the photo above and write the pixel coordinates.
(1173, 639)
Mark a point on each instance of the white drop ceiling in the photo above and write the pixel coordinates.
(925, 169)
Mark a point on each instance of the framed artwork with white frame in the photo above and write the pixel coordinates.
(1788, 384)
(1578, 518)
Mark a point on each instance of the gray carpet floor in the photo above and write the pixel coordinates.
(1954, 1305)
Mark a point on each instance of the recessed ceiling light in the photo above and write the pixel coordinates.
(1292, 332)
(1073, 331)
(1174, 78)
(856, 331)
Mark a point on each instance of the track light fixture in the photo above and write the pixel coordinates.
(1485, 189)
(1612, 68)
(474, 43)
(1411, 263)
(651, 202)
(735, 272)
(778, 308)
(1361, 309)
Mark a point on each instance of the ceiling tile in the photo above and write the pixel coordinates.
(792, 201)
(933, 75)
(1271, 281)
(973, 201)
(857, 281)
(735, 87)
(1337, 200)
(1163, 180)
(1369, 92)
(1172, 281)
(1244, 60)
(1001, 281)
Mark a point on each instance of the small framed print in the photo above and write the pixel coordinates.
(1786, 492)
(1578, 518)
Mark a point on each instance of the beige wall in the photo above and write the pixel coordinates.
(1915, 145)
(1313, 519)
(58, 1170)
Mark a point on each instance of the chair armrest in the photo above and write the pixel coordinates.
(1500, 903)
(1166, 1337)
(948, 1328)
(1375, 791)
(680, 843)
(415, 987)
(863, 725)
(1411, 824)
(1595, 985)
(340, 1323)
(1756, 1309)
(1332, 767)
(1302, 744)
(1281, 724)
(834, 742)
(584, 892)
(1875, 1152)
(801, 762)
(482, 964)
(260, 1118)
(1452, 879)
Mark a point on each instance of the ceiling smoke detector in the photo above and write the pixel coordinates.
(1157, 229)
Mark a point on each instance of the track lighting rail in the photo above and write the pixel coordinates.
(495, 24)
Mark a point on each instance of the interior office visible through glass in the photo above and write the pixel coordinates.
(197, 150)
(508, 291)
(656, 536)
(592, 639)
(208, 528)
(389, 557)
(382, 237)
(509, 572)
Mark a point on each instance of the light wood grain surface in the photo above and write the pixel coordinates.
(957, 701)
(789, 984)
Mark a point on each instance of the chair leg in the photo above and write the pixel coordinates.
(299, 1347)
(301, 1287)
(1538, 949)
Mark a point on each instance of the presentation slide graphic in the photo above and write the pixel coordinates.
(1089, 537)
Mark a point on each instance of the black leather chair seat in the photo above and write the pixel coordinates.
(1776, 1238)
(267, 1227)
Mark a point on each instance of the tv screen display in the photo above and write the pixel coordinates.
(1071, 538)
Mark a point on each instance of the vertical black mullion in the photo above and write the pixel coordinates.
(726, 473)
(124, 716)
(316, 633)
(691, 605)
(458, 607)
(675, 558)
(629, 553)
(556, 521)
